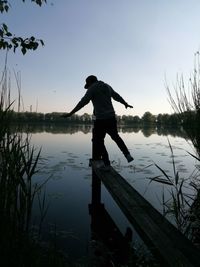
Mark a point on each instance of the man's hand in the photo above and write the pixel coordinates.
(66, 115)
(128, 106)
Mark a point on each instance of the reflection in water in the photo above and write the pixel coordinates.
(108, 245)
(148, 131)
(67, 149)
(56, 128)
(194, 136)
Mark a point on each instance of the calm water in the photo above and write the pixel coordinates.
(65, 156)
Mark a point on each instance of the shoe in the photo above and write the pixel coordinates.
(129, 158)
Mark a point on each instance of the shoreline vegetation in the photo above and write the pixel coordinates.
(20, 238)
(185, 119)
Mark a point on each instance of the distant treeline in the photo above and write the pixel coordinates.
(187, 118)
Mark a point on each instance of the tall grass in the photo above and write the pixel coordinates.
(186, 103)
(187, 95)
(182, 204)
(18, 165)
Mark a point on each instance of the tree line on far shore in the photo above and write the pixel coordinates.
(188, 118)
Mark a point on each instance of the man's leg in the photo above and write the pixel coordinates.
(98, 135)
(105, 157)
(111, 129)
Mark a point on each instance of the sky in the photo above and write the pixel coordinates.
(136, 46)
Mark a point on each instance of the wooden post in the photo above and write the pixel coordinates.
(96, 190)
(96, 183)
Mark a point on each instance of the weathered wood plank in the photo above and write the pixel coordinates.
(174, 248)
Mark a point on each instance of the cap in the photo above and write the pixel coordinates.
(90, 80)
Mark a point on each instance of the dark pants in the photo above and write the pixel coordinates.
(101, 128)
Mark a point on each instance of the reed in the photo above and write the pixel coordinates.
(18, 165)
(187, 97)
(183, 195)
(186, 103)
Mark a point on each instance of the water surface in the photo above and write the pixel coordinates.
(65, 158)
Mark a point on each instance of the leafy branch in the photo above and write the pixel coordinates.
(9, 41)
(5, 4)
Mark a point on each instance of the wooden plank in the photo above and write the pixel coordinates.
(174, 248)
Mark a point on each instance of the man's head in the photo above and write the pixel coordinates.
(90, 80)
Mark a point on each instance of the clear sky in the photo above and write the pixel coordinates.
(130, 44)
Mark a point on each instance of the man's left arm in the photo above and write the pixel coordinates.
(118, 98)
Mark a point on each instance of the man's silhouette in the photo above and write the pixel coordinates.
(105, 121)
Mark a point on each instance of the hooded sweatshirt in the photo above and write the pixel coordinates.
(101, 95)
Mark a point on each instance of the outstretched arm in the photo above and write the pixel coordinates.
(84, 101)
(118, 98)
(67, 115)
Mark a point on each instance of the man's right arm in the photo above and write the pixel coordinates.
(84, 101)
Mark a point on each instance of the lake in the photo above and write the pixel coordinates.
(66, 151)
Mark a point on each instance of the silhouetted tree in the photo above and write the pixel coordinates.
(136, 119)
(148, 118)
(168, 120)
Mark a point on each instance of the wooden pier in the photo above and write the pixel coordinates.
(163, 239)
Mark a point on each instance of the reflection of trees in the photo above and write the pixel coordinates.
(193, 134)
(175, 132)
(129, 129)
(148, 131)
(72, 128)
(54, 128)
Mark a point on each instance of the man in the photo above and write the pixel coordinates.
(101, 94)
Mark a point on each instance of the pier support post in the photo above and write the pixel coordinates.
(96, 183)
